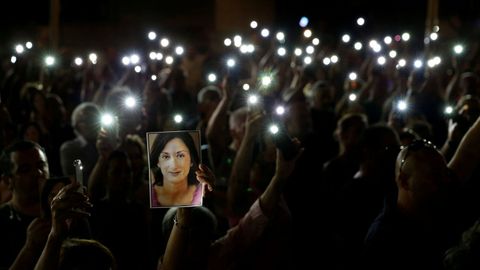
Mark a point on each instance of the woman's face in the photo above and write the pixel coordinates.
(175, 161)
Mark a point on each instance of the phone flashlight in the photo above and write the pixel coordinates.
(227, 42)
(266, 80)
(230, 62)
(253, 24)
(179, 50)
(402, 105)
(282, 141)
(280, 36)
(13, 59)
(169, 60)
(448, 110)
(78, 61)
(93, 58)
(303, 22)
(178, 118)
(352, 97)
(212, 77)
(346, 38)
(153, 77)
(49, 61)
(280, 110)
(77, 163)
(29, 45)
(246, 87)
(126, 60)
(138, 69)
(152, 35)
(357, 46)
(134, 59)
(458, 49)
(360, 21)
(315, 41)
(418, 63)
(406, 36)
(19, 48)
(130, 102)
(265, 32)
(352, 76)
(164, 42)
(307, 33)
(252, 99)
(281, 51)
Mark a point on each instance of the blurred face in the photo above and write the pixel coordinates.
(136, 158)
(29, 173)
(119, 176)
(175, 161)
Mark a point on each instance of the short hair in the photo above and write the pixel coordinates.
(86, 254)
(159, 144)
(6, 163)
(203, 220)
(210, 93)
(348, 120)
(78, 113)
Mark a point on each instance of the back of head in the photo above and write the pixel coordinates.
(202, 219)
(83, 254)
(86, 113)
(209, 93)
(349, 129)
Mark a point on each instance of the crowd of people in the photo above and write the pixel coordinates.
(378, 165)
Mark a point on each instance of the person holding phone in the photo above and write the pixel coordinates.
(173, 160)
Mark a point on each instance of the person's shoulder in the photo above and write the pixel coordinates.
(71, 144)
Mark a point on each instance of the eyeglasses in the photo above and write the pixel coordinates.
(416, 145)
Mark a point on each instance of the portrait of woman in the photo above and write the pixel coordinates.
(173, 160)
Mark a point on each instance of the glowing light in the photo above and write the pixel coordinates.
(230, 62)
(49, 60)
(352, 97)
(252, 99)
(265, 32)
(134, 59)
(436, 28)
(130, 102)
(310, 49)
(93, 58)
(266, 81)
(13, 59)
(212, 77)
(164, 42)
(179, 50)
(448, 110)
(159, 56)
(273, 129)
(280, 110)
(153, 77)
(297, 51)
(307, 33)
(458, 49)
(315, 41)
(352, 76)
(152, 55)
(381, 60)
(280, 36)
(237, 41)
(434, 36)
(334, 59)
(392, 54)
(346, 38)
(387, 40)
(126, 60)
(107, 119)
(281, 51)
(402, 105)
(169, 60)
(29, 45)
(246, 86)
(406, 36)
(402, 62)
(418, 63)
(303, 22)
(152, 35)
(227, 42)
(138, 69)
(178, 118)
(19, 49)
(78, 61)
(357, 46)
(326, 61)
(360, 21)
(253, 24)
(307, 60)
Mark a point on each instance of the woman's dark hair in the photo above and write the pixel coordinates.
(159, 144)
(47, 188)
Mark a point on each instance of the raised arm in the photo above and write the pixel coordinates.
(467, 156)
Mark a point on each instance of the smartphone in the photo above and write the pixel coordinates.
(77, 163)
(110, 125)
(282, 140)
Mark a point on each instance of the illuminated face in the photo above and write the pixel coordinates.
(175, 161)
(30, 171)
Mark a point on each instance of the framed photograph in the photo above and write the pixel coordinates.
(173, 158)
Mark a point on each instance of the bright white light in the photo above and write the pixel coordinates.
(381, 60)
(402, 62)
(402, 105)
(246, 86)
(252, 99)
(169, 60)
(178, 118)
(179, 50)
(230, 62)
(93, 58)
(346, 38)
(334, 59)
(164, 42)
(49, 60)
(13, 59)
(152, 35)
(280, 110)
(310, 49)
(29, 45)
(434, 36)
(297, 51)
(153, 77)
(303, 21)
(253, 24)
(281, 51)
(352, 97)
(126, 60)
(280, 36)
(107, 119)
(358, 46)
(437, 60)
(250, 48)
(244, 49)
(431, 63)
(227, 42)
(360, 21)
(405, 36)
(19, 49)
(418, 63)
(134, 59)
(212, 77)
(387, 40)
(448, 110)
(315, 41)
(392, 54)
(159, 56)
(458, 49)
(78, 61)
(138, 69)
(237, 41)
(377, 48)
(130, 102)
(436, 28)
(352, 76)
(307, 60)
(273, 129)
(152, 55)
(266, 80)
(307, 33)
(265, 32)
(326, 61)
